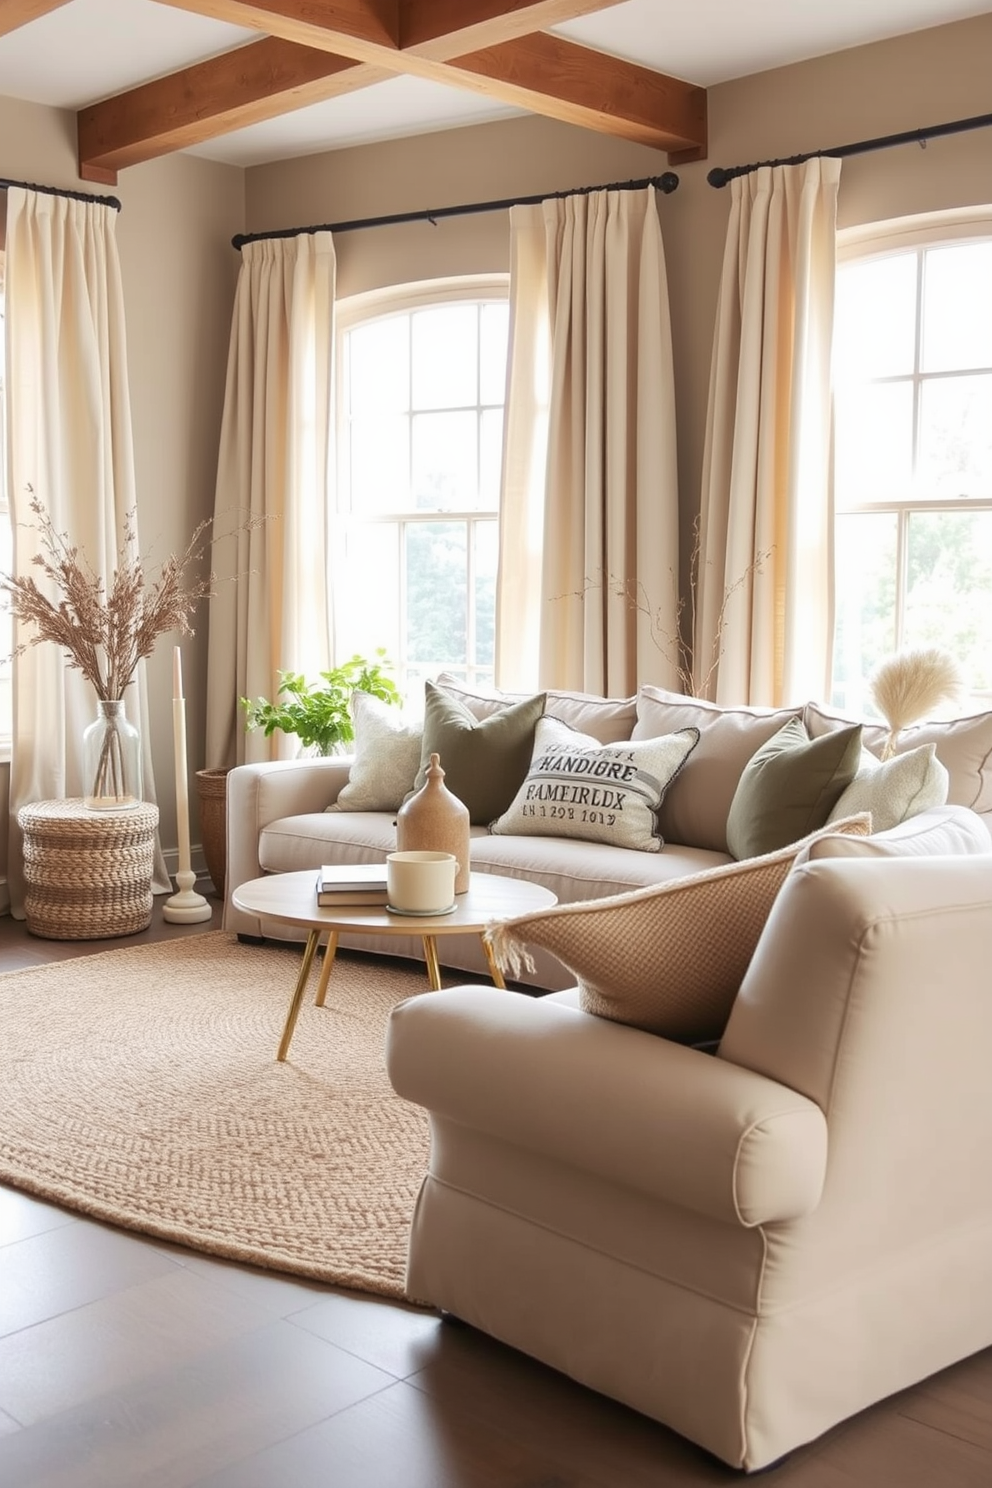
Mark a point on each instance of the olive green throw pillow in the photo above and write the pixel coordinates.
(789, 788)
(484, 759)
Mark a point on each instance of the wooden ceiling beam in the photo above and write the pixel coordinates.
(17, 13)
(353, 28)
(318, 49)
(577, 85)
(377, 30)
(259, 81)
(445, 29)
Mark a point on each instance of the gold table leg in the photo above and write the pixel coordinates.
(301, 982)
(433, 965)
(494, 970)
(325, 970)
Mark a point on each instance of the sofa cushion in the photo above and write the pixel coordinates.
(607, 719)
(896, 789)
(484, 760)
(695, 809)
(387, 752)
(789, 787)
(577, 787)
(963, 746)
(575, 870)
(667, 959)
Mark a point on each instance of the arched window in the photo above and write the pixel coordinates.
(913, 447)
(420, 382)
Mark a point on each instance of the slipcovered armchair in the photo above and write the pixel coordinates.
(748, 1246)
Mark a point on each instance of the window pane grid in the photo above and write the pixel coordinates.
(425, 466)
(925, 464)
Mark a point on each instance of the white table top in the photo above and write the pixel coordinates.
(292, 898)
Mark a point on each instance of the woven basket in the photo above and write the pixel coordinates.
(211, 787)
(87, 874)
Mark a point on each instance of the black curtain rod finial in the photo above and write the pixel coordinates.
(718, 176)
(668, 182)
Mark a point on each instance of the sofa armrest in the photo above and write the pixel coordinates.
(940, 831)
(263, 793)
(667, 1120)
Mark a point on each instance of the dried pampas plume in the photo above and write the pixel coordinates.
(912, 685)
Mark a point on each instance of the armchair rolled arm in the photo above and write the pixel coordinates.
(667, 1120)
(262, 793)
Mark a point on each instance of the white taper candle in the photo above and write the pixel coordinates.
(179, 744)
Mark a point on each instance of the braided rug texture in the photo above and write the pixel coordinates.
(141, 1086)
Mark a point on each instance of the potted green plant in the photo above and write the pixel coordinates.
(318, 713)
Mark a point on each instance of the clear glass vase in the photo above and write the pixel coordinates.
(111, 759)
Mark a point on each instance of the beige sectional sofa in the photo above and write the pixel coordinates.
(283, 816)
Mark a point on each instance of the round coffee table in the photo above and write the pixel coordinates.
(292, 898)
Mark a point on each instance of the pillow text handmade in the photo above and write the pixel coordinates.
(577, 787)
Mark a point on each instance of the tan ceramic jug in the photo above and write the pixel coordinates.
(434, 820)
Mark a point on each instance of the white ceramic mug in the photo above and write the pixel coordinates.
(421, 882)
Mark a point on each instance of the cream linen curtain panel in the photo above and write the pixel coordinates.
(69, 442)
(270, 612)
(766, 486)
(587, 585)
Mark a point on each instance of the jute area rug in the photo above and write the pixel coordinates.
(141, 1086)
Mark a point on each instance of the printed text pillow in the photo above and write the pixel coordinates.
(577, 787)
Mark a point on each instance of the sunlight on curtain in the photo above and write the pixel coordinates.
(588, 580)
(766, 486)
(69, 435)
(270, 612)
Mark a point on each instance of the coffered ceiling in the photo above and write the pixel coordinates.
(253, 80)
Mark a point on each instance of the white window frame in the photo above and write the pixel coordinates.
(353, 311)
(882, 240)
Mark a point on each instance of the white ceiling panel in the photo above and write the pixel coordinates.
(88, 50)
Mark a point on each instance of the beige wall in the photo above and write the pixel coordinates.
(179, 270)
(925, 78)
(180, 214)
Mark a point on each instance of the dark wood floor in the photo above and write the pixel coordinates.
(127, 1363)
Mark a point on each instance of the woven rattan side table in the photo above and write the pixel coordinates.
(87, 874)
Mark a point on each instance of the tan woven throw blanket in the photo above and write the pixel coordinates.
(141, 1086)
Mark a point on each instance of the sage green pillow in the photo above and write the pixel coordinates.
(484, 760)
(789, 787)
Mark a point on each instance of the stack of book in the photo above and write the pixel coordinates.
(351, 883)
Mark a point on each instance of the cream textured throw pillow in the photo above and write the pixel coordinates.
(387, 757)
(669, 958)
(964, 748)
(577, 787)
(896, 789)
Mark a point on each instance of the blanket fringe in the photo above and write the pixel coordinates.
(508, 949)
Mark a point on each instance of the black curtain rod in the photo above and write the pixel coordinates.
(720, 175)
(666, 183)
(103, 201)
